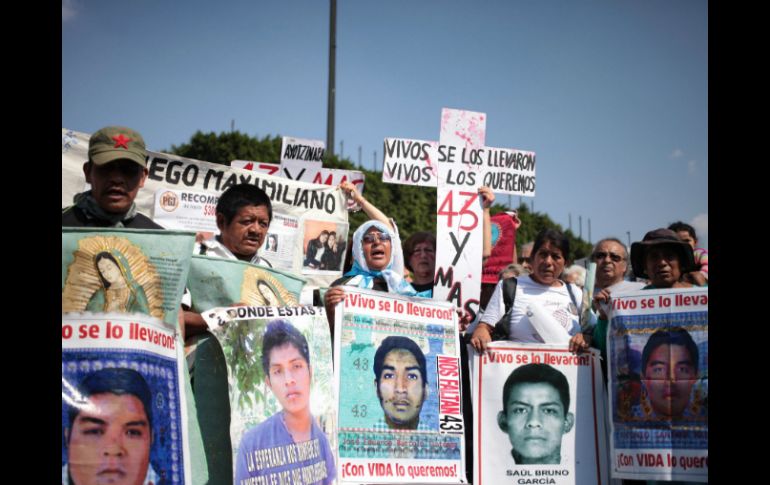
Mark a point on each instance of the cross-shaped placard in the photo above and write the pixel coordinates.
(458, 165)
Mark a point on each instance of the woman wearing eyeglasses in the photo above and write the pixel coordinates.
(611, 258)
(378, 261)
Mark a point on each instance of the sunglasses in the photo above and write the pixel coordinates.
(372, 237)
(600, 255)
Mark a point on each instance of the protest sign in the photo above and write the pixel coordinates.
(302, 150)
(291, 199)
(140, 274)
(398, 375)
(125, 271)
(539, 413)
(325, 245)
(282, 400)
(459, 164)
(658, 384)
(308, 172)
(468, 163)
(124, 409)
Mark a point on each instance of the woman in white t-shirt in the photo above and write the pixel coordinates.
(542, 301)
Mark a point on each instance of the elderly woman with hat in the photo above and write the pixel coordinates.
(663, 259)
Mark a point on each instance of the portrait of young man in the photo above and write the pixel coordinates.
(109, 434)
(669, 371)
(401, 384)
(288, 374)
(536, 414)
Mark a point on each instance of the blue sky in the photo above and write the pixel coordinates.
(612, 95)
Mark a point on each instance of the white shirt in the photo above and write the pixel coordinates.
(554, 299)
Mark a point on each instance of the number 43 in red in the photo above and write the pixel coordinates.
(447, 209)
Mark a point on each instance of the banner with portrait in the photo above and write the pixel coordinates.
(658, 384)
(134, 272)
(539, 412)
(282, 399)
(124, 407)
(398, 374)
(200, 181)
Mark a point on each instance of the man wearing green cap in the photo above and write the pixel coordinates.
(116, 169)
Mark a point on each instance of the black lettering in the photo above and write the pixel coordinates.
(444, 278)
(389, 148)
(330, 205)
(458, 249)
(217, 174)
(390, 169)
(426, 173)
(231, 180)
(442, 156)
(190, 175)
(245, 179)
(157, 165)
(172, 176)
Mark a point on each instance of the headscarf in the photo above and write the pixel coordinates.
(392, 273)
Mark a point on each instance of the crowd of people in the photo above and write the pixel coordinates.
(666, 258)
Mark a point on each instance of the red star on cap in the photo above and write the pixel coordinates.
(121, 141)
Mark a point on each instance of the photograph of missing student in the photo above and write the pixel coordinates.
(658, 384)
(282, 405)
(121, 404)
(324, 247)
(539, 415)
(399, 389)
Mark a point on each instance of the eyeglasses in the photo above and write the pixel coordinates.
(372, 237)
(600, 255)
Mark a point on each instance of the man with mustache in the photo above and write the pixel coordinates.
(536, 414)
(116, 169)
(401, 383)
(110, 431)
(286, 364)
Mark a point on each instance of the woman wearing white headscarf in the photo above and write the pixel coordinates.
(378, 262)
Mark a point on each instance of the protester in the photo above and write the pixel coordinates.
(525, 256)
(541, 288)
(420, 259)
(687, 234)
(116, 169)
(611, 258)
(662, 258)
(243, 216)
(377, 258)
(575, 274)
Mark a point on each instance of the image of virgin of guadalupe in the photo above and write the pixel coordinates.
(118, 291)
